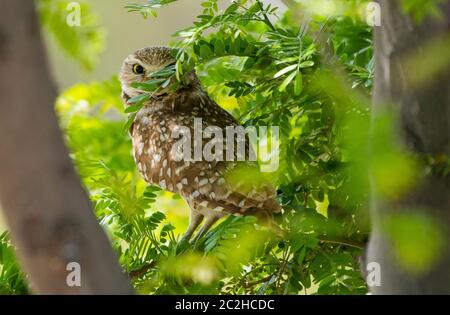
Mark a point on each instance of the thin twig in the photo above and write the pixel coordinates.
(137, 273)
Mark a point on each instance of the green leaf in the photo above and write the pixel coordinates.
(166, 83)
(232, 8)
(205, 51)
(145, 86)
(129, 122)
(133, 108)
(219, 47)
(254, 8)
(286, 82)
(164, 73)
(306, 64)
(284, 71)
(298, 85)
(154, 81)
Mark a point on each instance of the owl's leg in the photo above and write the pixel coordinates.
(209, 222)
(194, 221)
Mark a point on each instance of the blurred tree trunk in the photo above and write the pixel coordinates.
(48, 212)
(422, 103)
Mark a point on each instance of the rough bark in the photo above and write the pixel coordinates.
(423, 126)
(48, 212)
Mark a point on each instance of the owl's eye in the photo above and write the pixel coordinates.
(138, 69)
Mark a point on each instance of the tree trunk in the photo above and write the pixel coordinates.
(48, 212)
(422, 105)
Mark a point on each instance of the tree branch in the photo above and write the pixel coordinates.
(48, 213)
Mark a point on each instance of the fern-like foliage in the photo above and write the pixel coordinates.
(12, 280)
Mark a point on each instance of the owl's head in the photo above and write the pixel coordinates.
(139, 66)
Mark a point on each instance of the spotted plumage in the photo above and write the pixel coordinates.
(203, 184)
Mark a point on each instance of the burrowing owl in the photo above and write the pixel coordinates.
(203, 184)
